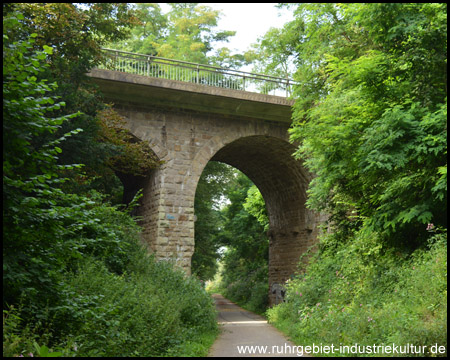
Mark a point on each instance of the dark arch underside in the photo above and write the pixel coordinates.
(283, 181)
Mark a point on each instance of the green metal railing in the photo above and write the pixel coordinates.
(195, 73)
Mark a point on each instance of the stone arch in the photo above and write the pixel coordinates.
(282, 180)
(131, 182)
(187, 125)
(260, 149)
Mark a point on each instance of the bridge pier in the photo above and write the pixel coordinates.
(167, 213)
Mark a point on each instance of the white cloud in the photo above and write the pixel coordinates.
(249, 20)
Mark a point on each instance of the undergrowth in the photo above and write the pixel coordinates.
(363, 293)
(115, 300)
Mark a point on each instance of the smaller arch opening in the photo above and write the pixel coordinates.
(134, 166)
(129, 157)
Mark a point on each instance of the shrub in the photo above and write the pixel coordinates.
(121, 315)
(249, 288)
(149, 310)
(361, 293)
(146, 311)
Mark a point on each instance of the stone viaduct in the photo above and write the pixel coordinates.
(187, 125)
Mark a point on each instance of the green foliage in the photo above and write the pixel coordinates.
(274, 53)
(76, 34)
(371, 113)
(187, 32)
(256, 206)
(75, 279)
(36, 213)
(245, 283)
(144, 312)
(234, 225)
(132, 156)
(17, 339)
(245, 263)
(241, 230)
(231, 226)
(370, 117)
(212, 187)
(362, 292)
(190, 32)
(43, 351)
(149, 310)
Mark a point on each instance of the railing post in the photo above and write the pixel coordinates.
(287, 86)
(198, 75)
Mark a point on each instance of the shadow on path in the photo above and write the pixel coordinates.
(246, 334)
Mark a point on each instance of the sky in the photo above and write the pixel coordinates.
(249, 20)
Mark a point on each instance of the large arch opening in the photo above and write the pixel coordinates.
(282, 181)
(231, 250)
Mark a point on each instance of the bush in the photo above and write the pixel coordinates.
(196, 308)
(361, 293)
(121, 315)
(247, 286)
(114, 299)
(150, 310)
(147, 311)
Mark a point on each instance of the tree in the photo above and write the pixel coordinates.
(230, 213)
(150, 29)
(274, 52)
(255, 205)
(187, 32)
(371, 113)
(244, 234)
(76, 33)
(241, 230)
(35, 210)
(212, 188)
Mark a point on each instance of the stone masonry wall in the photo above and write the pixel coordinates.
(186, 141)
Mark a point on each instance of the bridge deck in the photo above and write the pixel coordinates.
(150, 91)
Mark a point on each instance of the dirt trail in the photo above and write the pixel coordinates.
(247, 332)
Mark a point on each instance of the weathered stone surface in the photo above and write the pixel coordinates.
(212, 128)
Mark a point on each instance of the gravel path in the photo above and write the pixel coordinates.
(245, 334)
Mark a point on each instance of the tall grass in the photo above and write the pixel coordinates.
(362, 293)
(116, 300)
